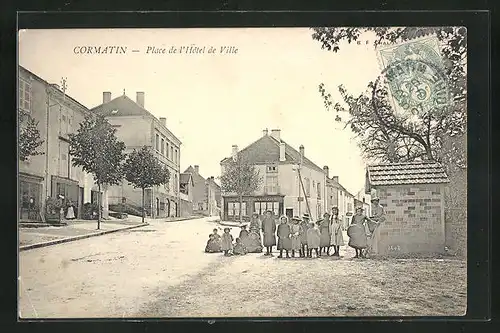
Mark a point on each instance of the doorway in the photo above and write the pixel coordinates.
(289, 213)
(157, 207)
(30, 194)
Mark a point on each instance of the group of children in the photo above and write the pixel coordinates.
(298, 236)
(217, 243)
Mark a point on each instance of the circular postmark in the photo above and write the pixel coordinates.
(416, 86)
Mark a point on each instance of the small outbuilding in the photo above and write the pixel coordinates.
(413, 197)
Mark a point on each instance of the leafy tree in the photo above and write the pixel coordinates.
(143, 170)
(240, 177)
(383, 134)
(97, 151)
(29, 137)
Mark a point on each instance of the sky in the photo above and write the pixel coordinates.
(215, 100)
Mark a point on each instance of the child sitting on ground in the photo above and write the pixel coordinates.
(227, 242)
(213, 245)
(239, 248)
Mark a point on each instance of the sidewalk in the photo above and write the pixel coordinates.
(77, 229)
(233, 224)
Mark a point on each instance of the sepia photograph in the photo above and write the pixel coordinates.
(242, 172)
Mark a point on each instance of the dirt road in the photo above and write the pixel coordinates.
(161, 271)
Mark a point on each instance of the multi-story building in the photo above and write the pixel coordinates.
(338, 196)
(282, 191)
(52, 173)
(364, 200)
(186, 189)
(137, 127)
(206, 193)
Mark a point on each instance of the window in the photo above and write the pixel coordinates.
(168, 154)
(272, 168)
(171, 152)
(176, 159)
(256, 208)
(157, 142)
(64, 161)
(163, 146)
(319, 190)
(307, 185)
(261, 207)
(24, 95)
(349, 207)
(272, 184)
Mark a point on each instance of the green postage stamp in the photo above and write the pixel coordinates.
(415, 74)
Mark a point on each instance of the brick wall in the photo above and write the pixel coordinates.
(414, 219)
(456, 212)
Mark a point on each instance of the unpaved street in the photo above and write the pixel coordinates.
(162, 271)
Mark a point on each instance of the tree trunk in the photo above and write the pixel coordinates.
(99, 206)
(241, 211)
(143, 210)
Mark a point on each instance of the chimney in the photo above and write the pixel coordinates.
(235, 152)
(301, 148)
(327, 171)
(106, 97)
(140, 98)
(282, 152)
(335, 178)
(197, 169)
(163, 121)
(275, 133)
(265, 132)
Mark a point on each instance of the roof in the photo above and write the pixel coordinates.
(125, 107)
(406, 173)
(358, 202)
(334, 183)
(197, 178)
(55, 88)
(186, 178)
(267, 150)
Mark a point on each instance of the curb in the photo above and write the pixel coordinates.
(234, 225)
(70, 239)
(185, 219)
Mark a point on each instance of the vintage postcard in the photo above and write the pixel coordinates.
(242, 172)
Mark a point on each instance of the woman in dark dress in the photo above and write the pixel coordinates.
(284, 240)
(269, 231)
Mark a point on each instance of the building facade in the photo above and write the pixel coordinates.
(186, 189)
(413, 197)
(283, 191)
(206, 193)
(363, 200)
(338, 196)
(137, 128)
(52, 173)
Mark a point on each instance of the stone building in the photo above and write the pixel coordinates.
(413, 197)
(206, 193)
(52, 173)
(338, 196)
(137, 127)
(281, 191)
(186, 188)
